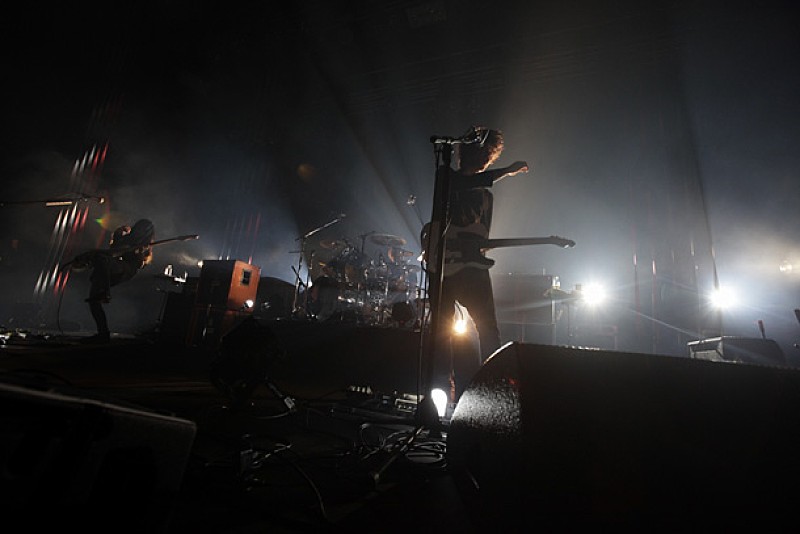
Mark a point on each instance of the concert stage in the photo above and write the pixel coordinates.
(294, 426)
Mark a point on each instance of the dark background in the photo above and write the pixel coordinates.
(661, 137)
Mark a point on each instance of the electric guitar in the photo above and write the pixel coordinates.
(84, 260)
(467, 250)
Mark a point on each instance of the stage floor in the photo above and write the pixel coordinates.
(295, 426)
(299, 452)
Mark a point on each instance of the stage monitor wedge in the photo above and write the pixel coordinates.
(566, 438)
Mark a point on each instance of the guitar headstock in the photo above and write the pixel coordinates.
(562, 241)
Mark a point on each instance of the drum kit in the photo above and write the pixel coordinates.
(352, 286)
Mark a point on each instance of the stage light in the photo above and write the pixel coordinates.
(786, 266)
(723, 298)
(593, 294)
(439, 398)
(248, 304)
(460, 326)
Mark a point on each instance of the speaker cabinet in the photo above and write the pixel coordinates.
(226, 294)
(227, 284)
(563, 438)
(66, 460)
(176, 317)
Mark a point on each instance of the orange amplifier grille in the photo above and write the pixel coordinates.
(227, 284)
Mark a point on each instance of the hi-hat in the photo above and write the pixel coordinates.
(388, 240)
(332, 243)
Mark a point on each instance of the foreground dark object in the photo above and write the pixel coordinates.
(137, 435)
(584, 437)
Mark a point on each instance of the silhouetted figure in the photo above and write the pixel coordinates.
(466, 269)
(129, 251)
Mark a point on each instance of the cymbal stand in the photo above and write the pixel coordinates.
(303, 238)
(363, 238)
(363, 290)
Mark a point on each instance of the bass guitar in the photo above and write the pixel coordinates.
(468, 250)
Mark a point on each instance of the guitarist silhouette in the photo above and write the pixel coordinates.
(129, 251)
(466, 275)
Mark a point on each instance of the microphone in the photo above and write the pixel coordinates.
(443, 140)
(473, 135)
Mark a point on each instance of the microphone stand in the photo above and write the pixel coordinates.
(303, 238)
(426, 415)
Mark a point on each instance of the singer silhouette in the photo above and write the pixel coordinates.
(469, 284)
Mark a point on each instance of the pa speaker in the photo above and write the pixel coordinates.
(561, 437)
(66, 460)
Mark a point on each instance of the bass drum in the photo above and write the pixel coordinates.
(332, 300)
(403, 314)
(323, 298)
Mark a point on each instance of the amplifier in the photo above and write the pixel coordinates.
(227, 284)
(754, 350)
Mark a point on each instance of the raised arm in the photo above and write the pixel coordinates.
(515, 168)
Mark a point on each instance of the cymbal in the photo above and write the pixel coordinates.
(388, 240)
(332, 243)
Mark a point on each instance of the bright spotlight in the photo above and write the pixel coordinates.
(248, 304)
(460, 327)
(723, 298)
(593, 294)
(439, 398)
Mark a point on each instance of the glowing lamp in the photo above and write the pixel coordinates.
(439, 398)
(460, 326)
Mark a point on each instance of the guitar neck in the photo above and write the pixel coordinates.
(124, 250)
(516, 242)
